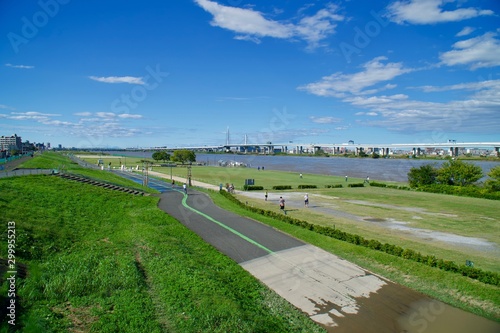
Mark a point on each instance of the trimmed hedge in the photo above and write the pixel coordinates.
(429, 260)
(466, 191)
(282, 187)
(375, 184)
(334, 186)
(307, 186)
(356, 185)
(253, 187)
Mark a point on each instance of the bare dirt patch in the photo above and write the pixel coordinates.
(326, 205)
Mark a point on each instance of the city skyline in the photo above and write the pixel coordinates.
(134, 74)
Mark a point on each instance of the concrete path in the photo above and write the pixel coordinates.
(337, 294)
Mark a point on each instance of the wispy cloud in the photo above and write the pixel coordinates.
(476, 111)
(83, 114)
(6, 107)
(465, 31)
(324, 120)
(430, 12)
(129, 116)
(252, 25)
(20, 66)
(475, 52)
(95, 125)
(462, 86)
(31, 115)
(341, 85)
(118, 79)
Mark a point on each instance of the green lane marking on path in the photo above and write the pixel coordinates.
(248, 239)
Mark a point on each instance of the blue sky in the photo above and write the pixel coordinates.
(174, 73)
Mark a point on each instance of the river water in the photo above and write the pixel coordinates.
(386, 169)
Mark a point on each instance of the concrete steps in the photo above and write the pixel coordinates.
(101, 184)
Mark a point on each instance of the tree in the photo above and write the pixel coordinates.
(494, 183)
(458, 173)
(161, 155)
(424, 175)
(184, 155)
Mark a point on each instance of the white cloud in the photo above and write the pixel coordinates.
(465, 31)
(245, 21)
(31, 115)
(6, 107)
(119, 79)
(20, 66)
(91, 129)
(314, 29)
(83, 114)
(252, 25)
(340, 85)
(324, 120)
(462, 86)
(105, 114)
(478, 52)
(430, 12)
(129, 116)
(476, 112)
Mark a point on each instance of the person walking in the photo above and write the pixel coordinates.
(265, 196)
(282, 205)
(184, 187)
(306, 200)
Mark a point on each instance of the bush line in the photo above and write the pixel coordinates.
(487, 277)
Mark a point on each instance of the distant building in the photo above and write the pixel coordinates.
(8, 143)
(28, 146)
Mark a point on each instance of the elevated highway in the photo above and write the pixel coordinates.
(383, 149)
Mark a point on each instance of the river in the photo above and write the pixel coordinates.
(385, 169)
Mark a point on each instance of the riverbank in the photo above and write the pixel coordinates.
(382, 169)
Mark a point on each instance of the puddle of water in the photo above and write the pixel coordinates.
(430, 316)
(476, 243)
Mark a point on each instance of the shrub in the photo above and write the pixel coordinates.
(282, 187)
(378, 184)
(356, 185)
(307, 186)
(334, 186)
(253, 187)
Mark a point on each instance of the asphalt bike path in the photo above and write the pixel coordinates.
(340, 296)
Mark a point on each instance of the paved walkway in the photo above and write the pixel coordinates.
(337, 294)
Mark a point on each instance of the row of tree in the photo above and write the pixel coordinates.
(455, 173)
(181, 156)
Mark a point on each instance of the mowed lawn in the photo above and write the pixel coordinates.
(376, 208)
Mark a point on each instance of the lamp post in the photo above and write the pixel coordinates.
(189, 173)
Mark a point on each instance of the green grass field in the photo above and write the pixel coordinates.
(470, 217)
(452, 215)
(104, 261)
